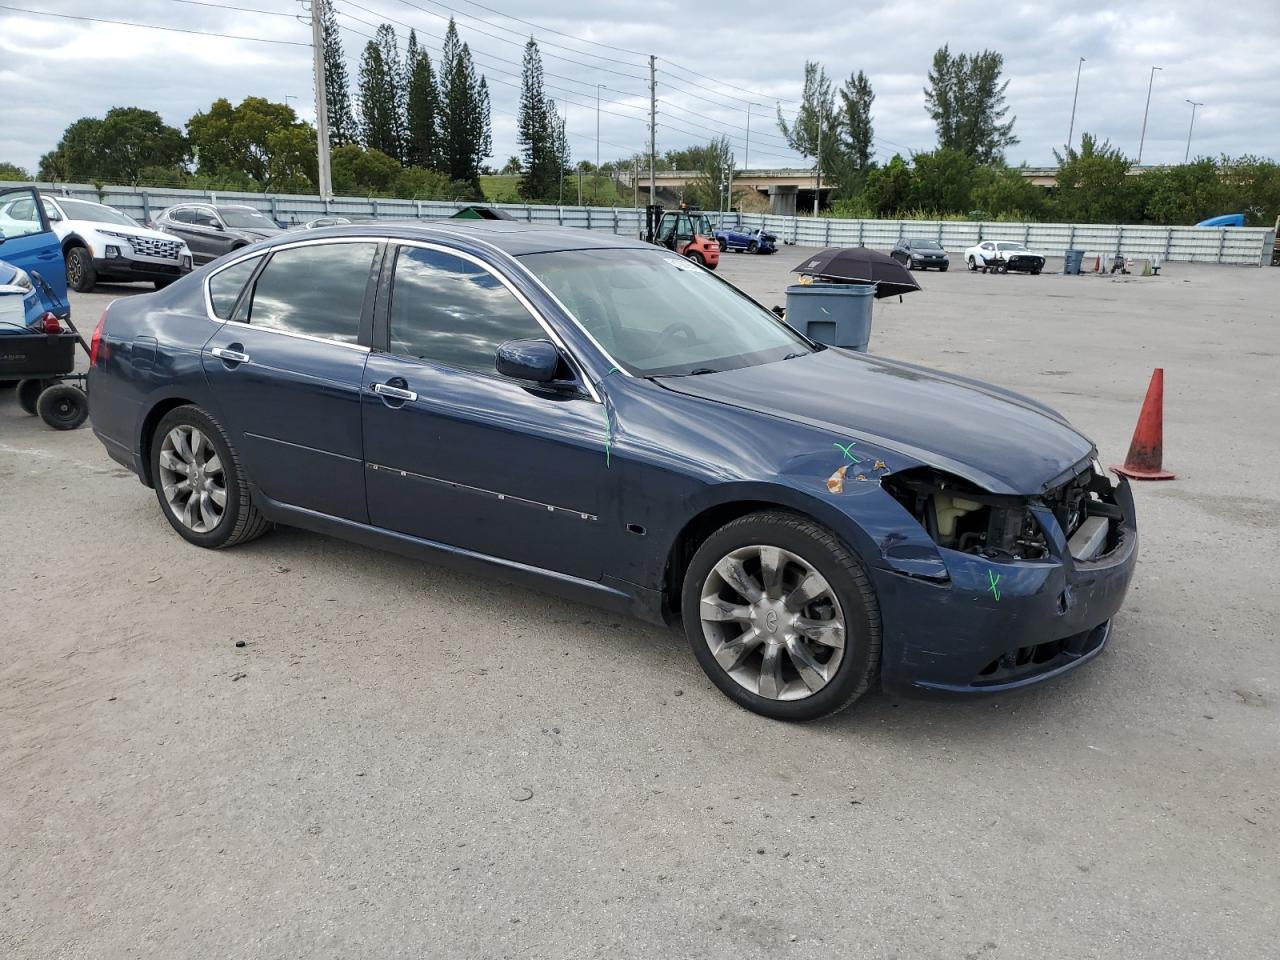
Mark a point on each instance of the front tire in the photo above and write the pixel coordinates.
(782, 617)
(753, 247)
(81, 277)
(202, 488)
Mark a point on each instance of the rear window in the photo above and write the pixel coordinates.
(225, 286)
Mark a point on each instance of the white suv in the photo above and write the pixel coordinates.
(102, 244)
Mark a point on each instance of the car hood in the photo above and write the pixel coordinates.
(82, 226)
(260, 234)
(1002, 441)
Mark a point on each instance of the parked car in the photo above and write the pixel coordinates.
(752, 240)
(599, 417)
(99, 243)
(1002, 256)
(920, 253)
(29, 243)
(319, 222)
(212, 231)
(21, 308)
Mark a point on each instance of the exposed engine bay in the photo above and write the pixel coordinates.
(959, 516)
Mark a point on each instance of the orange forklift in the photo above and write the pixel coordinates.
(684, 231)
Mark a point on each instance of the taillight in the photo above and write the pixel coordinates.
(49, 323)
(97, 340)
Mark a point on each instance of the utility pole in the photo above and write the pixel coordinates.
(653, 123)
(817, 191)
(635, 183)
(579, 184)
(322, 106)
(1145, 110)
(1187, 156)
(598, 86)
(1076, 96)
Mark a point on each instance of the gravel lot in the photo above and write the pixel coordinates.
(406, 762)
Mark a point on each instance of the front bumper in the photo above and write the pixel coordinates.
(996, 626)
(126, 269)
(926, 263)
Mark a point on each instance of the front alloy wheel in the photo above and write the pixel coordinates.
(772, 622)
(782, 616)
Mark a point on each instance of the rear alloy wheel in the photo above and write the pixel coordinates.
(63, 406)
(782, 617)
(696, 257)
(199, 482)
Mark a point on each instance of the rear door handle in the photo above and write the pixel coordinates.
(395, 393)
(230, 356)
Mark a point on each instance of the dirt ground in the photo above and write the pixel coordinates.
(406, 762)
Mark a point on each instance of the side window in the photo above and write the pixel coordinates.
(225, 286)
(19, 216)
(182, 215)
(50, 210)
(316, 290)
(450, 310)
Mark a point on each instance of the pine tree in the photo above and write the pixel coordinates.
(559, 147)
(337, 94)
(966, 100)
(395, 87)
(466, 138)
(857, 134)
(377, 109)
(422, 112)
(533, 132)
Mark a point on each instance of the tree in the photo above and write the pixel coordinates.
(559, 146)
(422, 110)
(337, 94)
(513, 167)
(943, 181)
(1094, 185)
(466, 139)
(715, 163)
(541, 163)
(1185, 194)
(11, 171)
(363, 172)
(890, 189)
(817, 123)
(116, 148)
(1003, 193)
(259, 140)
(966, 99)
(381, 94)
(857, 135)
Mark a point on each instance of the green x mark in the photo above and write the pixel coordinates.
(848, 450)
(994, 580)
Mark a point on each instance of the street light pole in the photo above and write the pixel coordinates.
(1145, 111)
(598, 86)
(1187, 156)
(817, 188)
(1075, 97)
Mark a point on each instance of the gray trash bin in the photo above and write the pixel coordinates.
(1071, 261)
(837, 314)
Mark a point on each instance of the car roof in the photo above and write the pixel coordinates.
(510, 236)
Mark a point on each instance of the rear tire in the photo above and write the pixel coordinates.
(63, 406)
(724, 246)
(81, 277)
(696, 257)
(29, 394)
(192, 460)
(841, 608)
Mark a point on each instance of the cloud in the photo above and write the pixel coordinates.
(54, 71)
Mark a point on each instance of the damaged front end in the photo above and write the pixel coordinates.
(1032, 580)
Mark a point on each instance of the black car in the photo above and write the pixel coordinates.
(920, 253)
(212, 230)
(596, 416)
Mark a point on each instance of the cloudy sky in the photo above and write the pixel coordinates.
(55, 70)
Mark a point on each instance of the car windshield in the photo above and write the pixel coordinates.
(95, 213)
(1010, 246)
(926, 245)
(660, 315)
(244, 217)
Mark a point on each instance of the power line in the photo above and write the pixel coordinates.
(560, 33)
(703, 76)
(223, 6)
(152, 26)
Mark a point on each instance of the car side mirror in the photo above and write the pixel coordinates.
(536, 360)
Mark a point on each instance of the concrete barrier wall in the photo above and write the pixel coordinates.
(1249, 246)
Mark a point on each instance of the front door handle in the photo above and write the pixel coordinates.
(393, 392)
(229, 356)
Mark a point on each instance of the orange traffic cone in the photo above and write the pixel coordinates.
(1146, 452)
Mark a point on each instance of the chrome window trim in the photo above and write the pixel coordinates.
(515, 261)
(547, 328)
(213, 317)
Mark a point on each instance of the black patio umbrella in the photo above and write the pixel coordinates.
(859, 265)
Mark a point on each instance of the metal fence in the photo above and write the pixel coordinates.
(1250, 246)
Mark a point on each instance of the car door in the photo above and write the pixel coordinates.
(28, 242)
(200, 228)
(286, 368)
(460, 455)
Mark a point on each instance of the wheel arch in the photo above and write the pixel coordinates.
(146, 433)
(72, 240)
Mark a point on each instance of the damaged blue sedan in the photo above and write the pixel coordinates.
(597, 417)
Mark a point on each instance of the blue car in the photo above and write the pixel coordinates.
(21, 307)
(595, 416)
(28, 243)
(739, 239)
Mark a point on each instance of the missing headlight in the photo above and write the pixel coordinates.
(961, 517)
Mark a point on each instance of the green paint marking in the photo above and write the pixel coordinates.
(611, 370)
(848, 450)
(994, 579)
(608, 437)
